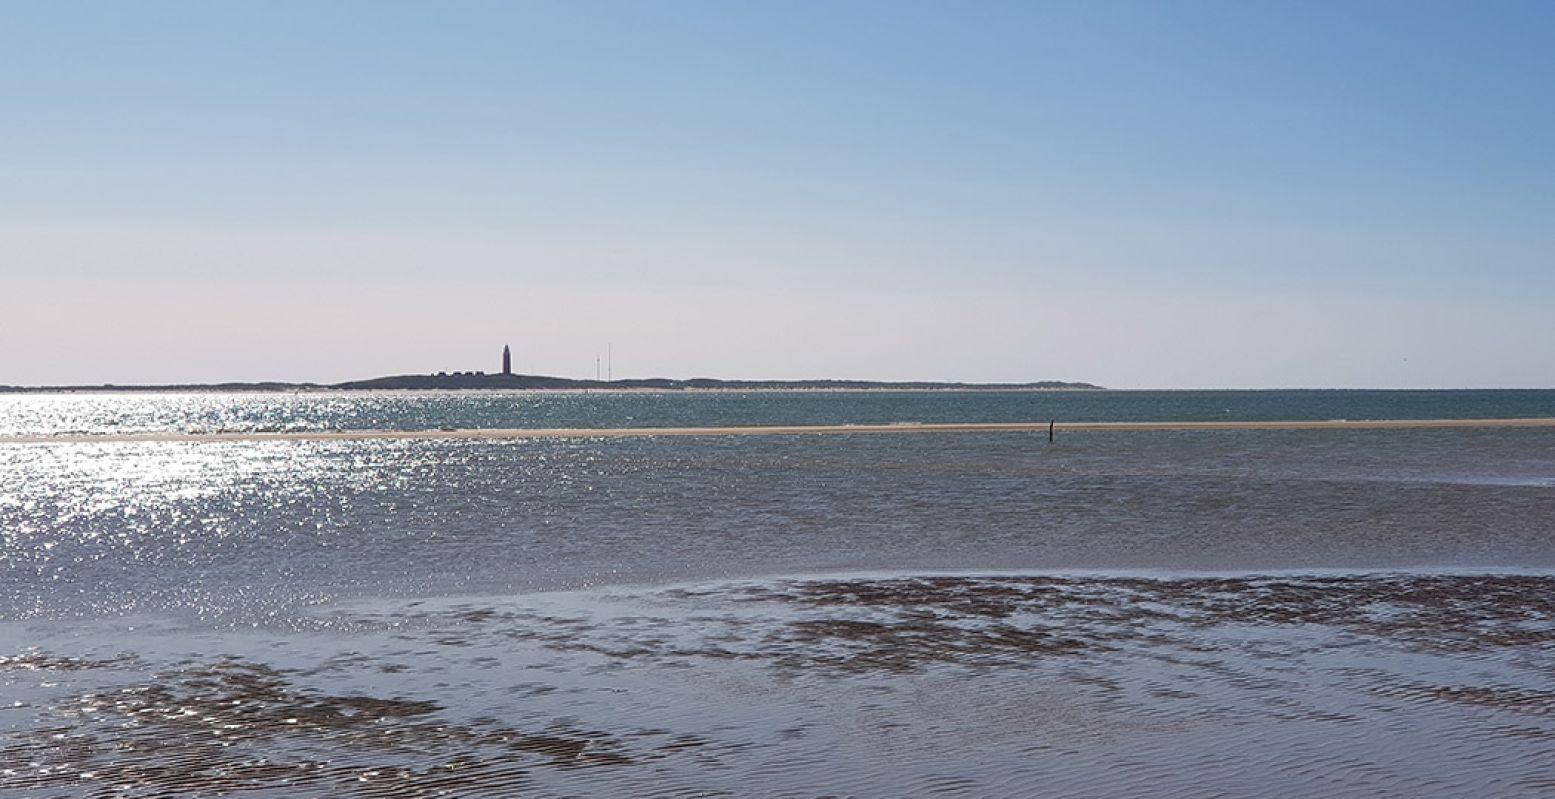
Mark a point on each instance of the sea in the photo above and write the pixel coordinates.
(1334, 612)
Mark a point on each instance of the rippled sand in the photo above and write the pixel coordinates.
(1341, 685)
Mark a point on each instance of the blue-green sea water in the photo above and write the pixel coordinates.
(87, 413)
(1334, 612)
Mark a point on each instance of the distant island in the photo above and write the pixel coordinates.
(478, 380)
(506, 379)
(482, 381)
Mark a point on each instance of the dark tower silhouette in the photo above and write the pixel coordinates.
(507, 360)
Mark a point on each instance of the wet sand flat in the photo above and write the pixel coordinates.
(910, 685)
(790, 611)
(781, 430)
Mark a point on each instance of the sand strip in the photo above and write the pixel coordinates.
(776, 430)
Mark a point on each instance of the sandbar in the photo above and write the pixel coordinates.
(774, 430)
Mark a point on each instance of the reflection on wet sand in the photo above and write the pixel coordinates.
(230, 726)
(1343, 685)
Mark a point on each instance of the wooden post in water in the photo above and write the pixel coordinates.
(1050, 431)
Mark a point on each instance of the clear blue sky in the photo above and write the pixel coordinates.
(1169, 194)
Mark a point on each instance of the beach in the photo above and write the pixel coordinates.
(860, 685)
(261, 596)
(865, 400)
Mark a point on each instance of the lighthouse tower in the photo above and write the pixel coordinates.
(507, 360)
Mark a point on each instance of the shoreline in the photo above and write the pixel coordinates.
(771, 430)
(558, 386)
(330, 391)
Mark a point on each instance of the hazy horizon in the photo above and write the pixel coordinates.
(1195, 195)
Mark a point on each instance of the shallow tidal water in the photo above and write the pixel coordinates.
(1242, 613)
(1078, 685)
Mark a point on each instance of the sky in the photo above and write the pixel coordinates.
(1140, 195)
